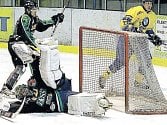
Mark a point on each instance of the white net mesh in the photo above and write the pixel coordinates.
(99, 50)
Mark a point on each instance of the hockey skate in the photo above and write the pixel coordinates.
(103, 78)
(5, 92)
(139, 78)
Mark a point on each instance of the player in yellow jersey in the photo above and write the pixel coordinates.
(139, 19)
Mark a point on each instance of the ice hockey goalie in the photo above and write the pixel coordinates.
(51, 91)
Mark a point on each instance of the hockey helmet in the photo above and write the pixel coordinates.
(147, 1)
(30, 4)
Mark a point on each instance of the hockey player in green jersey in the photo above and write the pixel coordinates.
(140, 19)
(22, 46)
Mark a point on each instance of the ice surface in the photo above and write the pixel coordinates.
(70, 65)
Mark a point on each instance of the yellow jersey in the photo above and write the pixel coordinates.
(138, 15)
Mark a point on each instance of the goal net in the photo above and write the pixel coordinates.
(97, 50)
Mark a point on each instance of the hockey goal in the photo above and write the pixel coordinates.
(97, 50)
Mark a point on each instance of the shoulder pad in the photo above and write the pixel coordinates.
(25, 18)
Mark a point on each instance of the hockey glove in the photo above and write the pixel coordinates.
(129, 28)
(156, 40)
(127, 24)
(58, 18)
(14, 38)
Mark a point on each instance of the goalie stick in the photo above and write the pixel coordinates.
(11, 115)
(58, 21)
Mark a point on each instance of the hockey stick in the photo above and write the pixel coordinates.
(11, 115)
(164, 43)
(66, 5)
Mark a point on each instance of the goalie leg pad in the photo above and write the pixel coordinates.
(24, 52)
(50, 66)
(14, 77)
(87, 104)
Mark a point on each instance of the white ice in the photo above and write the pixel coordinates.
(70, 66)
